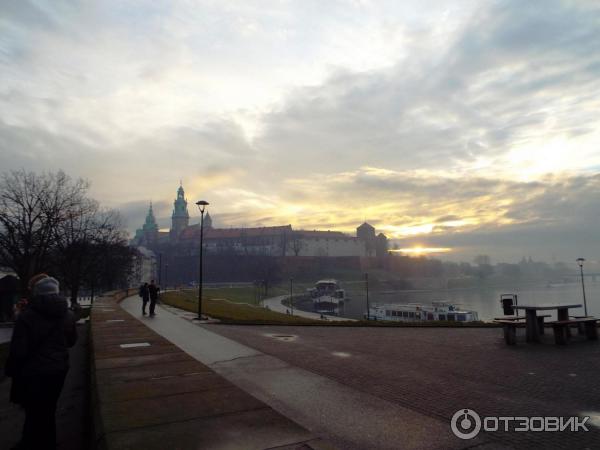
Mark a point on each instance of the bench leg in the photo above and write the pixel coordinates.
(560, 334)
(510, 334)
(581, 329)
(591, 331)
(540, 325)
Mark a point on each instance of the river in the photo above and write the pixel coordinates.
(484, 300)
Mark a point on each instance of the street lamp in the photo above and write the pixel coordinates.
(367, 287)
(291, 300)
(202, 204)
(166, 275)
(580, 261)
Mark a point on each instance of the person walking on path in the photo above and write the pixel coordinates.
(153, 290)
(145, 294)
(38, 361)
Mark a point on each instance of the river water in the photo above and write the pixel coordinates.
(485, 300)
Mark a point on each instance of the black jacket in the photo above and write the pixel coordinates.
(144, 292)
(153, 290)
(41, 338)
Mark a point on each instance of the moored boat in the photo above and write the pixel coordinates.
(327, 297)
(417, 312)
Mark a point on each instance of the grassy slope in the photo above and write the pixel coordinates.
(229, 308)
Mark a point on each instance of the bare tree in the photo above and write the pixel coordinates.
(79, 239)
(31, 207)
(296, 243)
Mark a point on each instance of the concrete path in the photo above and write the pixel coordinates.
(274, 304)
(151, 395)
(347, 417)
(5, 334)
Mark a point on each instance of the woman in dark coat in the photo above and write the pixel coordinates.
(39, 360)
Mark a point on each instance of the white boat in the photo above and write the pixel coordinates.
(416, 312)
(327, 297)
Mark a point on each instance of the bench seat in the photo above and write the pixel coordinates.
(510, 330)
(561, 328)
(520, 317)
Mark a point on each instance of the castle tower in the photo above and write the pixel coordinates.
(150, 228)
(180, 218)
(208, 221)
(366, 233)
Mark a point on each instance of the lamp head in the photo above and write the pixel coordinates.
(202, 204)
(580, 261)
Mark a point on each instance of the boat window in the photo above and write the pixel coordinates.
(461, 317)
(387, 312)
(442, 316)
(411, 314)
(404, 313)
(451, 317)
(429, 316)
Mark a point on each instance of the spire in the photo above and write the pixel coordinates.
(180, 204)
(150, 224)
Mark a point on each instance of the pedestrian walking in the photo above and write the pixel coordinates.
(153, 290)
(145, 294)
(38, 361)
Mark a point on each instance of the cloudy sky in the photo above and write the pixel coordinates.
(468, 125)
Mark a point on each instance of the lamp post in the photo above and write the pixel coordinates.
(580, 261)
(291, 299)
(202, 204)
(159, 269)
(367, 287)
(166, 275)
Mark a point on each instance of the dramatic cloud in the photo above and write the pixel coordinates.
(472, 126)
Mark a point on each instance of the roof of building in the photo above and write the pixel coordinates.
(316, 234)
(193, 232)
(366, 225)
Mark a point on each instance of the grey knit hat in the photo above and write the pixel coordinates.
(46, 286)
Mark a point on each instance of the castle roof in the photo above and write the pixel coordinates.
(315, 234)
(193, 232)
(366, 225)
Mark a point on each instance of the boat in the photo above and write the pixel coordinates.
(417, 312)
(327, 297)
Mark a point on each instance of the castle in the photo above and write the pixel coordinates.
(278, 241)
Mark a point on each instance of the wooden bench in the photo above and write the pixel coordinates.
(580, 325)
(540, 320)
(510, 330)
(561, 328)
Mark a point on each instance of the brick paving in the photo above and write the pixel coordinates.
(149, 394)
(437, 371)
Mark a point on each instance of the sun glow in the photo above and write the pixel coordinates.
(422, 251)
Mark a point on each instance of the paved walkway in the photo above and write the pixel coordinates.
(152, 395)
(348, 417)
(274, 304)
(5, 334)
(435, 372)
(72, 418)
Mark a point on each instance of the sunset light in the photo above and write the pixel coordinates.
(422, 251)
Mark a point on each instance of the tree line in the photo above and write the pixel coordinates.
(48, 223)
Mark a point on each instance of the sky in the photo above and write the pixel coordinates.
(469, 126)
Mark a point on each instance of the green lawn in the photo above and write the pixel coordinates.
(245, 294)
(229, 307)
